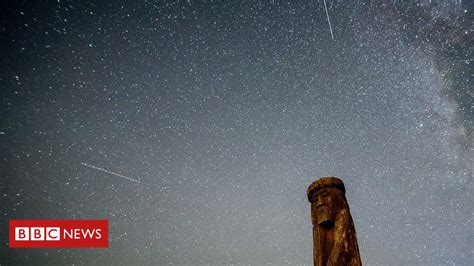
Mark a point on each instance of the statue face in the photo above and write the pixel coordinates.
(325, 200)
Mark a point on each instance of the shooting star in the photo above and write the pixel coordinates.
(110, 172)
(329, 21)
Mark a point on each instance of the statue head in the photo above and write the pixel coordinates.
(327, 196)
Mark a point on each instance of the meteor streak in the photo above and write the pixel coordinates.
(110, 172)
(329, 21)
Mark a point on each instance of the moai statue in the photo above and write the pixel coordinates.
(334, 235)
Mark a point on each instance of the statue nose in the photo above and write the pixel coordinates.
(319, 201)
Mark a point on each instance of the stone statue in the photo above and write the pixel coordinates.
(334, 235)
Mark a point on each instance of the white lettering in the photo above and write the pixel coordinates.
(67, 234)
(22, 233)
(37, 233)
(98, 235)
(52, 233)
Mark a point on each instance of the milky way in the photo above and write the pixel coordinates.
(227, 112)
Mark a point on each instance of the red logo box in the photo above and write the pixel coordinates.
(59, 233)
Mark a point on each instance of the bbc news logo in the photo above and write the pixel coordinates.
(53, 233)
(37, 233)
(59, 233)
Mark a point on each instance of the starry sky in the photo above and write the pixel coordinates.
(224, 112)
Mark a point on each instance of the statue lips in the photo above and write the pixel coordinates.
(323, 213)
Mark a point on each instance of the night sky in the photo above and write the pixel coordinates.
(196, 127)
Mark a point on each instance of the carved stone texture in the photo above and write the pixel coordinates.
(334, 235)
